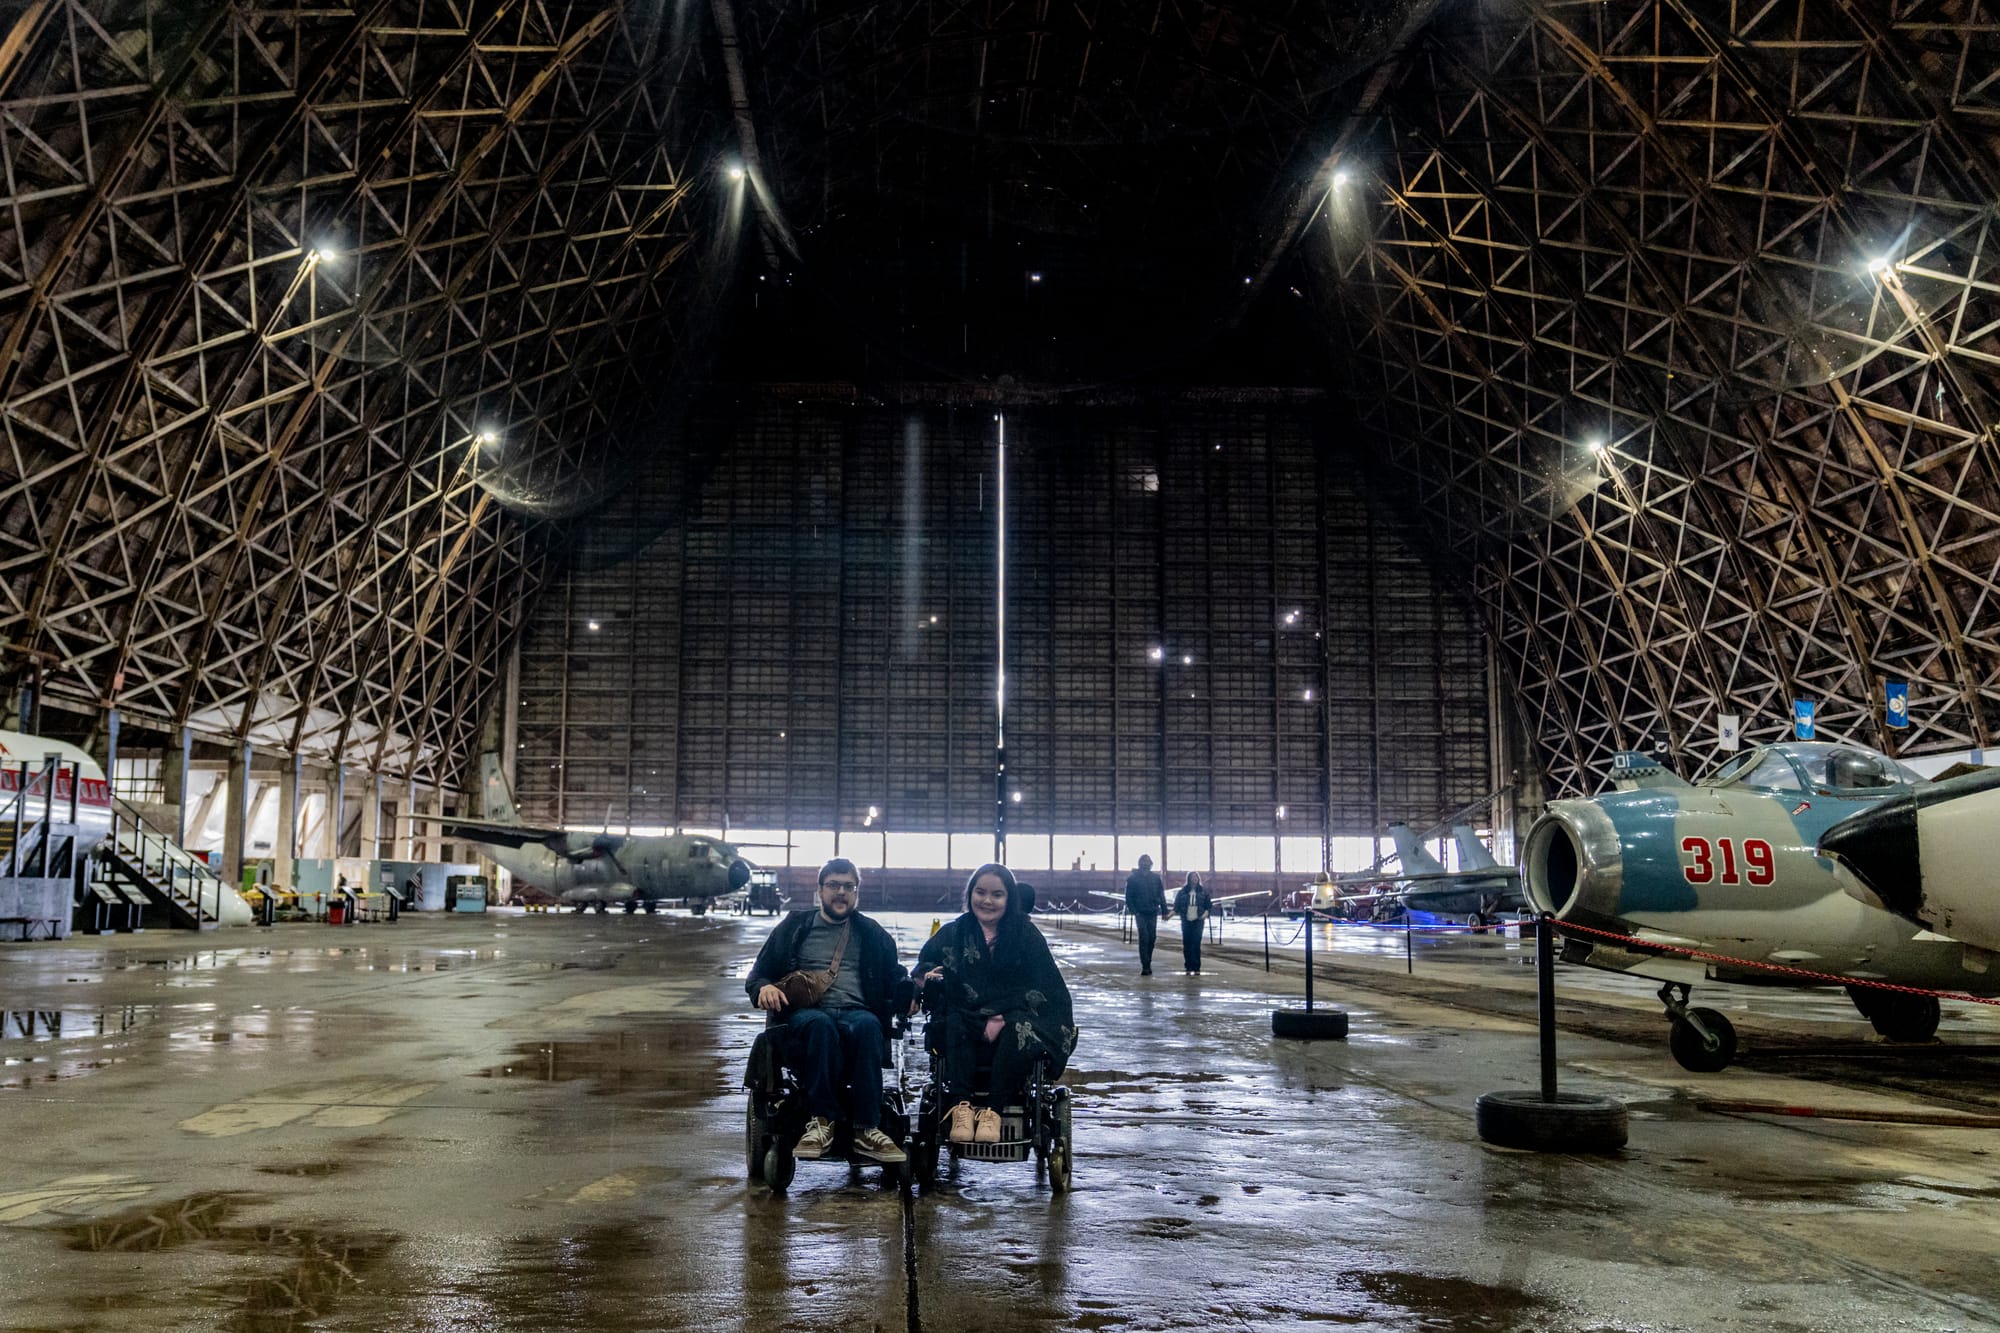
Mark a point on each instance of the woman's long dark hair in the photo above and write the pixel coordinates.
(1006, 877)
(1193, 880)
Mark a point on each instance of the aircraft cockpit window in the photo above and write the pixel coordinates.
(1773, 773)
(1729, 769)
(1854, 770)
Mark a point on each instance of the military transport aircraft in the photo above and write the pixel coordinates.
(594, 870)
(1927, 856)
(1730, 866)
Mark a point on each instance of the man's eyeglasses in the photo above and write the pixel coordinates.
(838, 886)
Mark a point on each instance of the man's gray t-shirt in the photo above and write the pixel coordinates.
(816, 955)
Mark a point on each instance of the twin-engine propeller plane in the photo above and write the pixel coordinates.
(1731, 866)
(594, 870)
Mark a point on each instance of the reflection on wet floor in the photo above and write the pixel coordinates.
(315, 1266)
(665, 1064)
(56, 1024)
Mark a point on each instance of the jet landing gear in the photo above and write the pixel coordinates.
(1702, 1040)
(1897, 1016)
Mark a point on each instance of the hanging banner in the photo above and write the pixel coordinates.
(1898, 703)
(1802, 719)
(1729, 731)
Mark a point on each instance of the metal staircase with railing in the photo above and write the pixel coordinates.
(141, 857)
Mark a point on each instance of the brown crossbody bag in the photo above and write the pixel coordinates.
(804, 990)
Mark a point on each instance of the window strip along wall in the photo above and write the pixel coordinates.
(1215, 643)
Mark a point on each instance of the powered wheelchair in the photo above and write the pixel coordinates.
(776, 1114)
(1037, 1125)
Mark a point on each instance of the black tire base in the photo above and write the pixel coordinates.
(1573, 1122)
(1310, 1024)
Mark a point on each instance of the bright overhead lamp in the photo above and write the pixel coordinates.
(321, 254)
(487, 436)
(1880, 264)
(1596, 446)
(1342, 176)
(593, 627)
(735, 170)
(1017, 798)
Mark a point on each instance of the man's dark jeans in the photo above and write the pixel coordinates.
(837, 1056)
(1149, 929)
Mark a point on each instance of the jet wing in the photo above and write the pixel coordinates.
(560, 841)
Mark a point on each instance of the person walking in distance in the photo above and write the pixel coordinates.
(1146, 900)
(1191, 906)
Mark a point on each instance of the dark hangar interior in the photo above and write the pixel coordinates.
(745, 432)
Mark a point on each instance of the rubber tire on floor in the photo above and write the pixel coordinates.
(1573, 1122)
(1692, 1053)
(779, 1167)
(1062, 1153)
(755, 1144)
(1906, 1017)
(1310, 1024)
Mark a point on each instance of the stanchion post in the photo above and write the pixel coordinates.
(1545, 1001)
(1267, 941)
(1409, 950)
(1309, 960)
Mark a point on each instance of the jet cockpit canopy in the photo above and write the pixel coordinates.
(1827, 768)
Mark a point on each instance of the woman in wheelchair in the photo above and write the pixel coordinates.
(997, 993)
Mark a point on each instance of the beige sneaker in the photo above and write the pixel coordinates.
(874, 1144)
(961, 1119)
(986, 1126)
(815, 1141)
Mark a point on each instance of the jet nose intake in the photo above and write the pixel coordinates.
(739, 873)
(1571, 865)
(1878, 847)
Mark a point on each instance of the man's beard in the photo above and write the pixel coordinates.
(839, 913)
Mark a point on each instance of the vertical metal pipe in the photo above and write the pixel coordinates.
(1545, 995)
(1000, 647)
(1310, 923)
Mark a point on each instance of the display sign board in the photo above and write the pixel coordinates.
(1729, 731)
(1802, 719)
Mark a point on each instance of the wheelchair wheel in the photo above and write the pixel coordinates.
(1061, 1157)
(779, 1166)
(755, 1143)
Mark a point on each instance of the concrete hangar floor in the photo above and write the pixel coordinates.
(535, 1123)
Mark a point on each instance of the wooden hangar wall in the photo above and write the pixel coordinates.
(266, 275)
(1747, 251)
(814, 635)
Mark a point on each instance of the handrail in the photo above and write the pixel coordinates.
(175, 861)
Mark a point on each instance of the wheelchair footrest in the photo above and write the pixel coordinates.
(1015, 1145)
(1018, 1150)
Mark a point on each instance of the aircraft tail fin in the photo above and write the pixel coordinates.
(1415, 860)
(1472, 853)
(1631, 770)
(496, 799)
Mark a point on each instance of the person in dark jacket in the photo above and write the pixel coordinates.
(1191, 906)
(990, 977)
(1146, 900)
(837, 1048)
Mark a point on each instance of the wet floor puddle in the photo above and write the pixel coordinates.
(1455, 1303)
(306, 1269)
(60, 1024)
(664, 1065)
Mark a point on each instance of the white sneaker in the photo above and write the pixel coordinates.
(815, 1141)
(961, 1123)
(986, 1126)
(874, 1144)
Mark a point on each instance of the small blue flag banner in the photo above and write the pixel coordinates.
(1802, 719)
(1898, 701)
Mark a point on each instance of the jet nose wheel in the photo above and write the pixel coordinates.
(1699, 1051)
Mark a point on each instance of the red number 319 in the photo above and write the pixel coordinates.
(1757, 857)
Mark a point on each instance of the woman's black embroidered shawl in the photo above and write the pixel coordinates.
(1017, 978)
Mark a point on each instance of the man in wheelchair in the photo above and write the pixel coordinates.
(837, 1044)
(999, 999)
